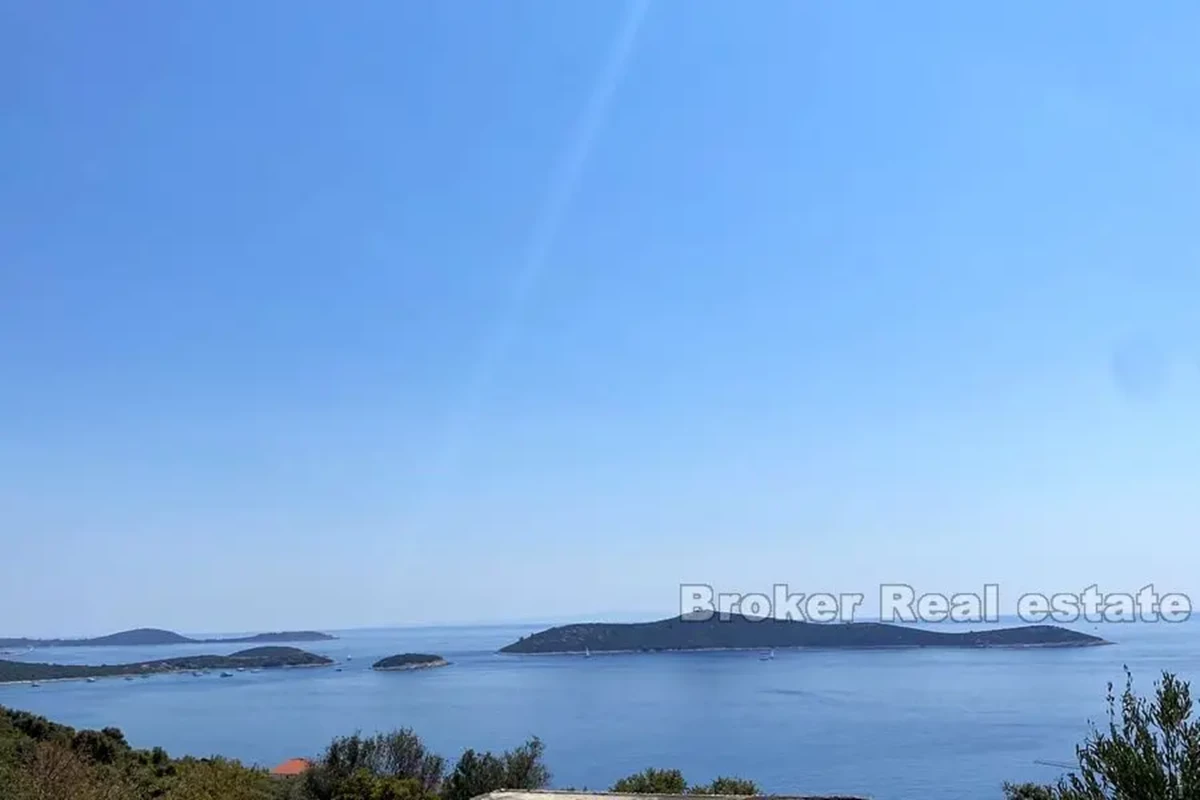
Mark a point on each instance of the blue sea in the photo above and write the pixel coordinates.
(885, 723)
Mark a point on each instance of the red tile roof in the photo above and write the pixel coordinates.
(292, 766)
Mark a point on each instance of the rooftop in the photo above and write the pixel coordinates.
(293, 766)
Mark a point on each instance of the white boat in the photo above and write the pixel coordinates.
(226, 674)
(91, 680)
(587, 653)
(767, 656)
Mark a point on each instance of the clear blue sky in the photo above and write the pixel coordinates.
(318, 314)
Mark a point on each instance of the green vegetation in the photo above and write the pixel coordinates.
(42, 760)
(253, 658)
(738, 632)
(143, 637)
(670, 781)
(409, 661)
(1150, 749)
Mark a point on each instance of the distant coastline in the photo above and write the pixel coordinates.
(253, 658)
(738, 633)
(147, 637)
(799, 648)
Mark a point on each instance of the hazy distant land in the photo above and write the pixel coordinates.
(142, 637)
(739, 633)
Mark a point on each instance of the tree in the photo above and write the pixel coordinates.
(524, 768)
(219, 779)
(100, 747)
(55, 772)
(1152, 752)
(474, 774)
(479, 773)
(652, 781)
(402, 755)
(351, 763)
(363, 785)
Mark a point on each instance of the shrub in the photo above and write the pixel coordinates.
(1151, 749)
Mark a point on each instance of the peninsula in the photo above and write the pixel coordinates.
(739, 633)
(405, 661)
(254, 658)
(144, 637)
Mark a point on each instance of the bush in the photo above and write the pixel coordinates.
(1152, 751)
(670, 781)
(727, 786)
(652, 781)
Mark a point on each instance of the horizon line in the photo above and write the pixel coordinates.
(612, 617)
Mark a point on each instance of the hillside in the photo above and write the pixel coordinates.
(739, 633)
(253, 658)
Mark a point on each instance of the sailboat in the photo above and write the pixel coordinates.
(587, 653)
(767, 656)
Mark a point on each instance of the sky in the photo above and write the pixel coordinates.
(321, 315)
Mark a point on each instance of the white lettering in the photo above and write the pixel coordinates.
(895, 603)
(1033, 608)
(696, 602)
(822, 608)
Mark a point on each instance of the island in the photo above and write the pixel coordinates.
(254, 658)
(406, 661)
(738, 633)
(144, 637)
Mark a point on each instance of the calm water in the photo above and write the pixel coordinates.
(890, 724)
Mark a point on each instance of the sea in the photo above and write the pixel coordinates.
(927, 723)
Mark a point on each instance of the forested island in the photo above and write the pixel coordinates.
(254, 658)
(409, 661)
(142, 637)
(739, 633)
